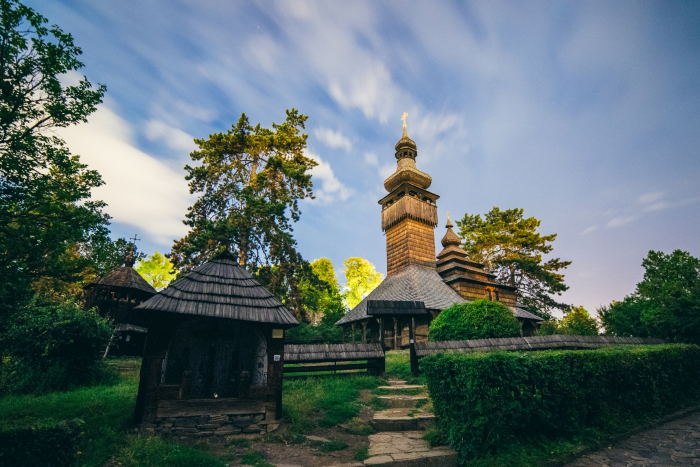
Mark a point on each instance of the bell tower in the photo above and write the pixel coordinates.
(409, 211)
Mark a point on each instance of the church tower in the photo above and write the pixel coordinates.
(409, 212)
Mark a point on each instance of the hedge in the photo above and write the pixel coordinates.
(45, 444)
(488, 401)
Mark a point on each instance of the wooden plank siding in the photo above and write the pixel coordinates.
(325, 357)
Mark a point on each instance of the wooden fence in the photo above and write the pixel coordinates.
(527, 343)
(317, 358)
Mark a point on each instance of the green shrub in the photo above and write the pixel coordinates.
(323, 333)
(480, 319)
(53, 347)
(361, 454)
(489, 401)
(45, 443)
(576, 322)
(153, 451)
(358, 427)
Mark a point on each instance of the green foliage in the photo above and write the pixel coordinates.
(576, 322)
(256, 459)
(105, 410)
(157, 270)
(511, 244)
(436, 436)
(249, 181)
(321, 295)
(153, 451)
(480, 319)
(323, 401)
(47, 443)
(334, 444)
(361, 278)
(323, 333)
(665, 304)
(45, 211)
(54, 347)
(490, 401)
(358, 427)
(361, 454)
(243, 443)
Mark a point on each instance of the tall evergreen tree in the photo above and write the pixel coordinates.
(249, 183)
(509, 243)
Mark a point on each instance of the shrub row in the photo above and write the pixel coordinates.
(45, 444)
(487, 401)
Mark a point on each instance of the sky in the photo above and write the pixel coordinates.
(584, 114)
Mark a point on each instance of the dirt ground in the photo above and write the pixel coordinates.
(307, 453)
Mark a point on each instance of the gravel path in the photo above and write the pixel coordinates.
(674, 443)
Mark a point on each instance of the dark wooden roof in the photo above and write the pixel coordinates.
(395, 307)
(531, 343)
(125, 277)
(331, 352)
(413, 283)
(221, 288)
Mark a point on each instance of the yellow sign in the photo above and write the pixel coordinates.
(277, 333)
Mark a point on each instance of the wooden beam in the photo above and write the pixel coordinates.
(364, 332)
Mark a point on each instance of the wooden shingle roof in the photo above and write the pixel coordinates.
(221, 288)
(125, 277)
(395, 307)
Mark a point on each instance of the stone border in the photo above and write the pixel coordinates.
(587, 449)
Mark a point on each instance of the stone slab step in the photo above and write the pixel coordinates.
(401, 419)
(400, 401)
(407, 449)
(403, 386)
(396, 382)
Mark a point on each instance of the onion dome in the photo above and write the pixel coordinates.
(406, 170)
(450, 237)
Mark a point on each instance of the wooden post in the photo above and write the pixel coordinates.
(364, 332)
(521, 327)
(185, 385)
(412, 351)
(381, 331)
(396, 334)
(353, 332)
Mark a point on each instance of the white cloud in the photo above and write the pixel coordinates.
(369, 89)
(387, 170)
(590, 229)
(331, 188)
(371, 159)
(139, 189)
(652, 197)
(657, 206)
(432, 125)
(620, 221)
(263, 52)
(333, 139)
(172, 137)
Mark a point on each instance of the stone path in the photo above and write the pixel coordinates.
(399, 443)
(674, 443)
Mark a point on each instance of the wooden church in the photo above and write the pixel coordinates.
(214, 358)
(419, 284)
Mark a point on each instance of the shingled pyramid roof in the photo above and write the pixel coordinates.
(127, 278)
(413, 283)
(220, 288)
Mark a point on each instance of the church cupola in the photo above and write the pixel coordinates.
(409, 211)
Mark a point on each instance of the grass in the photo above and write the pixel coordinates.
(361, 454)
(358, 427)
(334, 444)
(238, 442)
(106, 410)
(256, 459)
(323, 401)
(153, 451)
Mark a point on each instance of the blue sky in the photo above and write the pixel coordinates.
(585, 114)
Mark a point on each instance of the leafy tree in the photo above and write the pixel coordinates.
(45, 209)
(665, 304)
(53, 347)
(249, 182)
(511, 245)
(480, 319)
(579, 322)
(361, 278)
(157, 270)
(325, 297)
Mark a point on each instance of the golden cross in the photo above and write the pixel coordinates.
(448, 216)
(403, 117)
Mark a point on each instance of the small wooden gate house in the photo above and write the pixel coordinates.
(214, 355)
(115, 296)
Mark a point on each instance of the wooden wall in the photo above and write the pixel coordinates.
(409, 242)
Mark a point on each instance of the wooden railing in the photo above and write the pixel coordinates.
(335, 358)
